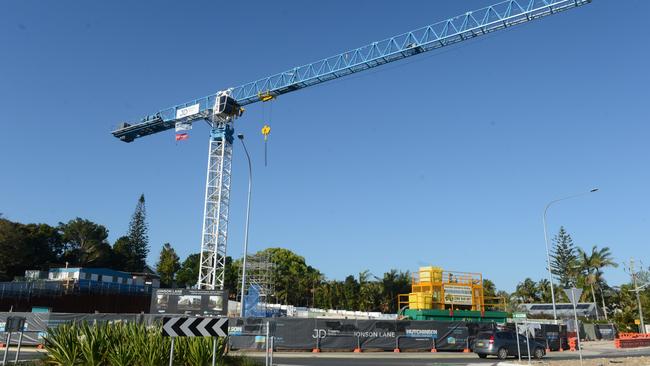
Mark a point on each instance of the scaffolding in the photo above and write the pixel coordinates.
(260, 284)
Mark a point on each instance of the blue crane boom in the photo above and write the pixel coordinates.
(442, 34)
(221, 108)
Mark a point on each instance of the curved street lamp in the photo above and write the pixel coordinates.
(548, 253)
(248, 215)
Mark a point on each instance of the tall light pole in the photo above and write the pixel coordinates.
(638, 289)
(248, 216)
(548, 252)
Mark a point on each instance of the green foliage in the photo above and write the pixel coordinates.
(563, 259)
(188, 274)
(489, 288)
(63, 346)
(85, 243)
(134, 250)
(122, 344)
(23, 247)
(167, 265)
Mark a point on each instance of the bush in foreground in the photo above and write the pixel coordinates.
(122, 344)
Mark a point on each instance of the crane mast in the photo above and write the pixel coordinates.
(221, 108)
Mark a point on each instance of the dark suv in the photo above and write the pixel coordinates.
(503, 344)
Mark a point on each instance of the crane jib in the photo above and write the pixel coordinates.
(446, 33)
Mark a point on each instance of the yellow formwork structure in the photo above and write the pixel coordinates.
(438, 289)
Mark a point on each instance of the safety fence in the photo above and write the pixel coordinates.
(632, 340)
(316, 334)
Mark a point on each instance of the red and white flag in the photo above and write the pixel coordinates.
(182, 136)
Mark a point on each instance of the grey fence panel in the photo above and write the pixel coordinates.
(34, 331)
(606, 331)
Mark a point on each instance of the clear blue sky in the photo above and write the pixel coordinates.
(445, 159)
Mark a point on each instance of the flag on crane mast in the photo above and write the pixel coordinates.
(182, 136)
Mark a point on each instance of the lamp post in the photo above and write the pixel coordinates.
(248, 215)
(637, 290)
(548, 252)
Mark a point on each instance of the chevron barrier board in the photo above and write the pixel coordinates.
(195, 327)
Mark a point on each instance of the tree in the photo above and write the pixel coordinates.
(489, 288)
(167, 265)
(134, 251)
(527, 291)
(120, 250)
(188, 274)
(292, 276)
(85, 243)
(23, 247)
(563, 259)
(394, 283)
(544, 290)
(232, 277)
(591, 264)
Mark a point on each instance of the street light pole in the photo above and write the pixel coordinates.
(638, 289)
(548, 252)
(248, 215)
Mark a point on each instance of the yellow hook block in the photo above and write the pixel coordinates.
(266, 130)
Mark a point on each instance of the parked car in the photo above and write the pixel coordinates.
(503, 344)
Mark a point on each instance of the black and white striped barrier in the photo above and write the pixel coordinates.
(194, 327)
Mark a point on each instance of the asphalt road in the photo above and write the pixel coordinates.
(406, 359)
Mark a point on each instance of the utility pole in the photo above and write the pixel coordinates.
(638, 297)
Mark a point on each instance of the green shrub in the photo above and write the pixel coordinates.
(122, 344)
(63, 347)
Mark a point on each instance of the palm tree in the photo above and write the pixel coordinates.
(592, 264)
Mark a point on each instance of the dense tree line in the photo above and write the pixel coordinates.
(80, 242)
(299, 284)
(574, 266)
(76, 243)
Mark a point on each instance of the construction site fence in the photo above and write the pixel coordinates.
(632, 340)
(316, 334)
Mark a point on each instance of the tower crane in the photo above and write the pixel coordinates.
(220, 109)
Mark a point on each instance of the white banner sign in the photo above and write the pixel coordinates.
(461, 295)
(187, 111)
(183, 126)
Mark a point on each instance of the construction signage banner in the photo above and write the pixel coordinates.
(189, 302)
(348, 334)
(459, 295)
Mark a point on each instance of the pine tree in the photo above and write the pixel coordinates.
(564, 259)
(134, 251)
(168, 265)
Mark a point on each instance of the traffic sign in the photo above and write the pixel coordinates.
(637, 321)
(519, 315)
(195, 327)
(573, 294)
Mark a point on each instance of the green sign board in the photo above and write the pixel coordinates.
(519, 315)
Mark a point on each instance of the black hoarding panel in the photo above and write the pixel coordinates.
(189, 302)
(452, 336)
(337, 334)
(551, 334)
(295, 334)
(606, 332)
(379, 335)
